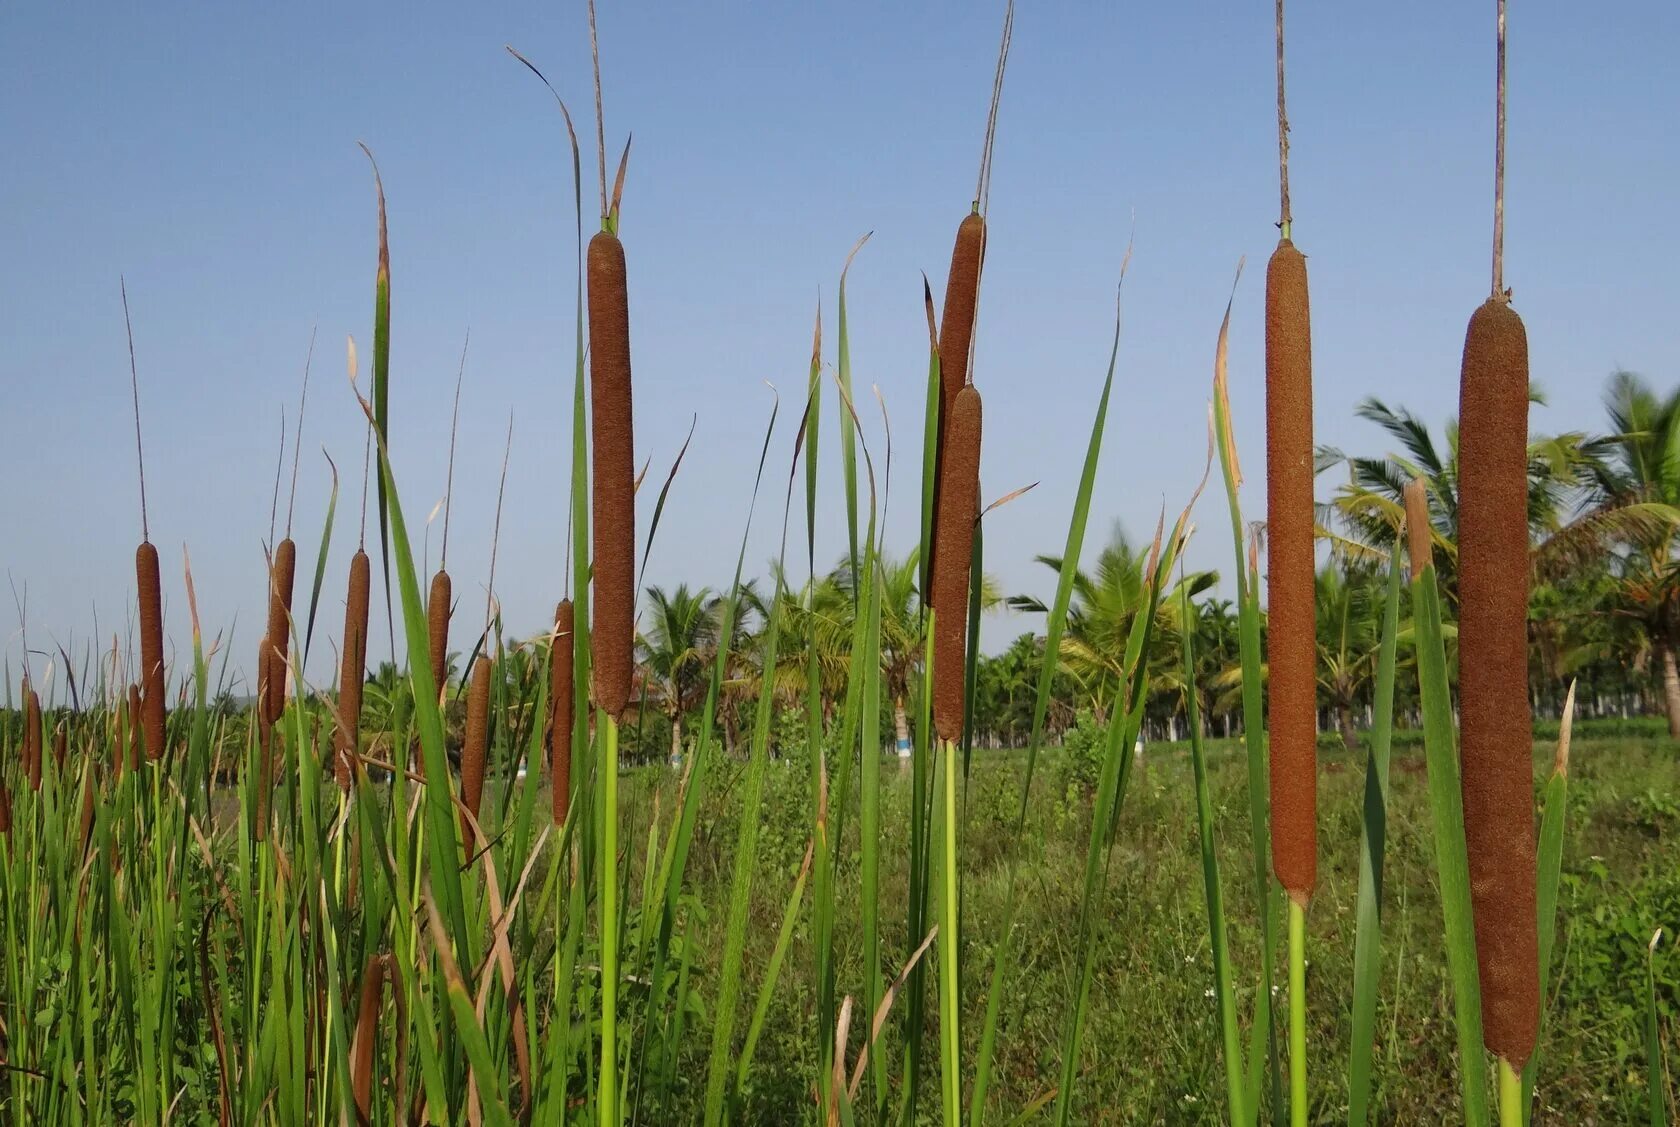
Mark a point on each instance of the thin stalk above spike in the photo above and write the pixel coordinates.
(1284, 217)
(449, 476)
(134, 386)
(297, 438)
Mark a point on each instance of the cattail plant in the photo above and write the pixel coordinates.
(32, 735)
(353, 665)
(474, 746)
(1292, 640)
(265, 737)
(612, 636)
(151, 711)
(437, 603)
(84, 826)
(281, 578)
(1496, 737)
(134, 724)
(614, 474)
(956, 338)
(954, 545)
(61, 745)
(151, 649)
(561, 705)
(367, 1023)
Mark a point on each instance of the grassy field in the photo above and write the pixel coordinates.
(1151, 1053)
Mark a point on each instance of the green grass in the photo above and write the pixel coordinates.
(1152, 1029)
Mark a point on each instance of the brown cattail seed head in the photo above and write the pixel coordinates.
(437, 627)
(352, 668)
(561, 710)
(956, 338)
(1496, 737)
(614, 467)
(280, 626)
(61, 746)
(32, 737)
(86, 824)
(119, 747)
(1292, 644)
(135, 713)
(151, 648)
(1419, 546)
(954, 545)
(367, 1020)
(475, 743)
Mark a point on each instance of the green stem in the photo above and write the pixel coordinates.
(1510, 1095)
(1297, 1013)
(948, 987)
(608, 1090)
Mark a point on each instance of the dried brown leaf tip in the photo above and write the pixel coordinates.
(1496, 725)
(1418, 535)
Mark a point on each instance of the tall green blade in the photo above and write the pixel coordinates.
(1551, 868)
(1367, 943)
(1452, 868)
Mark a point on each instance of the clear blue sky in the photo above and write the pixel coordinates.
(208, 152)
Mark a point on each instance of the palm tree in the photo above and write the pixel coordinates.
(1370, 504)
(1349, 628)
(682, 631)
(1633, 511)
(1106, 601)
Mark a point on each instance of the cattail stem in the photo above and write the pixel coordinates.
(607, 858)
(1297, 1014)
(297, 438)
(449, 475)
(1510, 1092)
(1284, 217)
(1499, 163)
(134, 386)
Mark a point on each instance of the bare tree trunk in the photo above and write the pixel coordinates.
(1671, 689)
(1350, 730)
(901, 728)
(676, 739)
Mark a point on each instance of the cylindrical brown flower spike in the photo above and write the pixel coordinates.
(119, 747)
(1419, 542)
(1496, 737)
(956, 338)
(135, 722)
(151, 649)
(954, 538)
(280, 626)
(437, 627)
(361, 1049)
(352, 668)
(32, 737)
(561, 711)
(1292, 646)
(614, 467)
(475, 744)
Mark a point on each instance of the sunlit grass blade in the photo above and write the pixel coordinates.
(320, 565)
